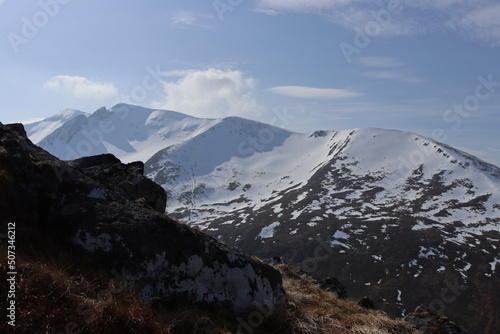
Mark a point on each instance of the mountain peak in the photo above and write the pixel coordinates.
(37, 131)
(66, 114)
(392, 205)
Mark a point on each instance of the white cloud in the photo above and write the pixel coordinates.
(187, 19)
(389, 69)
(392, 75)
(477, 19)
(30, 120)
(267, 11)
(81, 87)
(209, 93)
(379, 62)
(300, 5)
(313, 93)
(480, 24)
(357, 14)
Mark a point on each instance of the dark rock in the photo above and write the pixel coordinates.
(430, 322)
(111, 215)
(366, 303)
(319, 133)
(127, 180)
(332, 284)
(95, 161)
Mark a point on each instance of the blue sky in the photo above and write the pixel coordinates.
(430, 67)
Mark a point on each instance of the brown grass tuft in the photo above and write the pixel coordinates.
(314, 310)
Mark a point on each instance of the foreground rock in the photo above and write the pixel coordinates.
(111, 215)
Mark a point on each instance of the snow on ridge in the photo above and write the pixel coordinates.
(39, 130)
(209, 163)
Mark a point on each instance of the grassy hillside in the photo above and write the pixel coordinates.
(57, 293)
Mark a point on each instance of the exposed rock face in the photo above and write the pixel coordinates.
(430, 322)
(110, 214)
(127, 180)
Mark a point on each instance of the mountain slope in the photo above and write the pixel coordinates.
(359, 173)
(96, 254)
(348, 204)
(39, 130)
(131, 133)
(387, 212)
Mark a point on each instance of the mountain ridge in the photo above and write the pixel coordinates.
(402, 212)
(96, 254)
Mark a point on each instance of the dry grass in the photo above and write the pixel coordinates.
(63, 295)
(313, 310)
(54, 298)
(58, 296)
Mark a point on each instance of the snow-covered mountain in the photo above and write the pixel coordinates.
(387, 212)
(131, 133)
(39, 130)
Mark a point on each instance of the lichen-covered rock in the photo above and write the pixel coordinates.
(110, 214)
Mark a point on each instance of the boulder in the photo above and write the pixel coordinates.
(332, 284)
(111, 215)
(430, 322)
(367, 303)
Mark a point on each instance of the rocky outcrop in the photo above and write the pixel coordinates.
(430, 322)
(127, 180)
(111, 215)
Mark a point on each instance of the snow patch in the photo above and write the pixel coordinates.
(493, 264)
(268, 231)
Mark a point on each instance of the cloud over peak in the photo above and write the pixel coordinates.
(209, 93)
(81, 87)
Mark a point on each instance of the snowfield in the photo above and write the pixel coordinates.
(216, 167)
